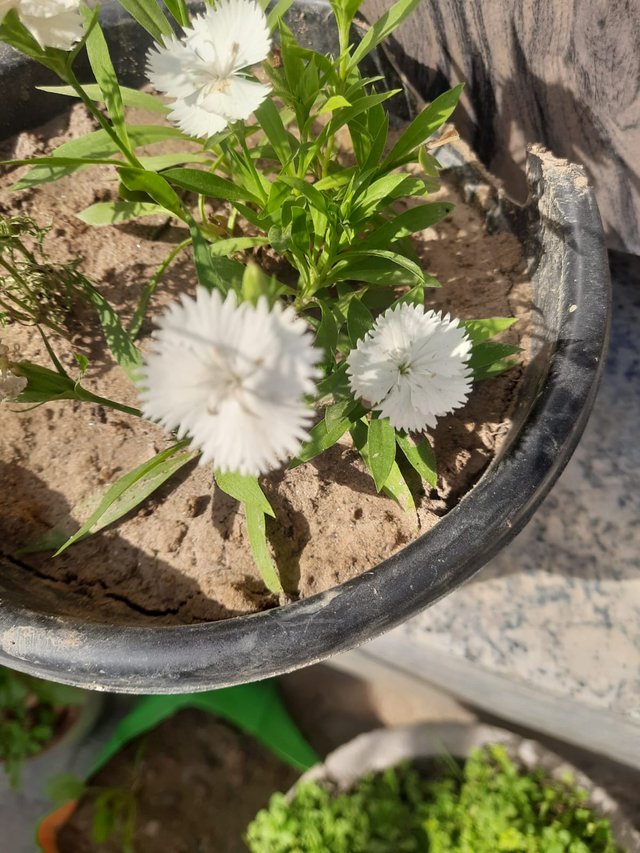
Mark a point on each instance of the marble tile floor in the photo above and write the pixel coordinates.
(548, 633)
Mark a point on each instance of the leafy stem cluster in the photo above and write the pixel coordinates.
(486, 805)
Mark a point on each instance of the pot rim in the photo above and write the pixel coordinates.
(187, 658)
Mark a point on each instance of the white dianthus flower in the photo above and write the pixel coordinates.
(202, 70)
(11, 385)
(412, 366)
(52, 23)
(233, 378)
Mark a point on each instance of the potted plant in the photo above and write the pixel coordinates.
(40, 725)
(272, 364)
(170, 759)
(442, 787)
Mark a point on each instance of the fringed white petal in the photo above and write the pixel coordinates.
(202, 70)
(52, 23)
(412, 367)
(232, 377)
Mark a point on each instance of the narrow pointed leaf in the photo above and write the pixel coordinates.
(244, 489)
(150, 16)
(130, 97)
(131, 489)
(483, 330)
(381, 450)
(359, 320)
(420, 456)
(424, 125)
(381, 28)
(406, 223)
(113, 212)
(106, 77)
(257, 532)
(209, 185)
(118, 339)
(321, 439)
(396, 487)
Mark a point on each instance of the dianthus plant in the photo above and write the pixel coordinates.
(287, 151)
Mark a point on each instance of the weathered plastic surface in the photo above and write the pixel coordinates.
(562, 233)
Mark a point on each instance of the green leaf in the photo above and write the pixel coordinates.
(277, 12)
(488, 359)
(257, 532)
(44, 384)
(130, 97)
(244, 489)
(423, 126)
(327, 334)
(362, 105)
(381, 450)
(130, 490)
(105, 75)
(232, 245)
(112, 212)
(396, 487)
(406, 223)
(381, 192)
(93, 147)
(270, 121)
(150, 16)
(321, 439)
(247, 490)
(255, 283)
(335, 102)
(209, 185)
(138, 180)
(382, 28)
(335, 383)
(339, 411)
(178, 9)
(125, 352)
(377, 267)
(359, 320)
(429, 164)
(420, 456)
(159, 162)
(482, 330)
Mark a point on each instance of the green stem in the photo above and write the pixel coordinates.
(239, 133)
(150, 288)
(87, 397)
(103, 122)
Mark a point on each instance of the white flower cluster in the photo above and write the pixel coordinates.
(202, 70)
(412, 367)
(52, 23)
(11, 385)
(233, 378)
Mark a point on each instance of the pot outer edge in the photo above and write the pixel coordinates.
(562, 228)
(382, 748)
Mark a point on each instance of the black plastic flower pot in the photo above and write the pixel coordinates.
(561, 231)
